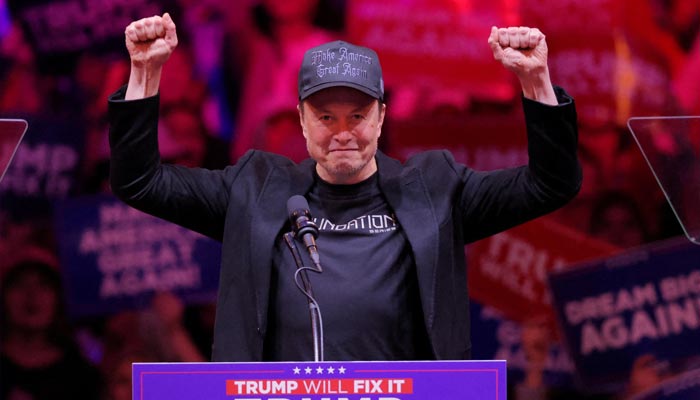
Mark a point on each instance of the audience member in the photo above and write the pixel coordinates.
(38, 355)
(536, 339)
(184, 139)
(647, 372)
(616, 218)
(158, 331)
(117, 375)
(204, 22)
(21, 91)
(686, 84)
(272, 49)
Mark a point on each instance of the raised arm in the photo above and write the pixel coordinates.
(150, 42)
(523, 51)
(195, 198)
(497, 200)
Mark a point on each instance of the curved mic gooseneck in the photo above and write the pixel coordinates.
(304, 227)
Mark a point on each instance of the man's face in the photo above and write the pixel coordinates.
(342, 126)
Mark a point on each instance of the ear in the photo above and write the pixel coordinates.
(382, 114)
(300, 110)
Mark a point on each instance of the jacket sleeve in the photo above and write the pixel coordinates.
(497, 200)
(191, 197)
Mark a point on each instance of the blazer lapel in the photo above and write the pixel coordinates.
(405, 192)
(270, 216)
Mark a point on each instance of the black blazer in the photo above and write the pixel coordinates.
(441, 205)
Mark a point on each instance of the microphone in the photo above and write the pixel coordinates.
(302, 225)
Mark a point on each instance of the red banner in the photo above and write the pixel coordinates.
(508, 271)
(483, 142)
(435, 43)
(612, 57)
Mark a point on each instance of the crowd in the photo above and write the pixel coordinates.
(229, 87)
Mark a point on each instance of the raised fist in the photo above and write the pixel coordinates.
(521, 49)
(150, 41)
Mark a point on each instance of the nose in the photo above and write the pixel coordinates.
(344, 133)
(343, 137)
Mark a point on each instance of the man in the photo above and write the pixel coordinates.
(392, 235)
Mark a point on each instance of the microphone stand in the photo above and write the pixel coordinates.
(314, 310)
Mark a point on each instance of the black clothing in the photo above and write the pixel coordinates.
(440, 205)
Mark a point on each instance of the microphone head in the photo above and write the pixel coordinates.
(300, 216)
(297, 206)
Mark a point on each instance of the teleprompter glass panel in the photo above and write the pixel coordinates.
(11, 133)
(671, 147)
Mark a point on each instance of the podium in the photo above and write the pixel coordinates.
(354, 380)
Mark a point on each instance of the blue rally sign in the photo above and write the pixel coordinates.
(495, 337)
(642, 302)
(45, 168)
(116, 257)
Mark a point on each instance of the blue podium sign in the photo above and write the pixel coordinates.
(398, 380)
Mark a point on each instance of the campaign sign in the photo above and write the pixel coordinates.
(610, 77)
(484, 142)
(115, 257)
(436, 43)
(399, 380)
(595, 16)
(611, 58)
(642, 302)
(508, 271)
(60, 31)
(495, 337)
(45, 168)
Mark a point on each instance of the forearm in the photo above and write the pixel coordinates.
(552, 145)
(143, 82)
(133, 139)
(538, 87)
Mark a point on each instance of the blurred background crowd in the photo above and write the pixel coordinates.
(231, 86)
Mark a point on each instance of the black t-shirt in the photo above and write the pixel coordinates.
(71, 377)
(367, 292)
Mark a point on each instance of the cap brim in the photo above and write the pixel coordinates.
(328, 85)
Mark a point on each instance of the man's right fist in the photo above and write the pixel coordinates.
(150, 41)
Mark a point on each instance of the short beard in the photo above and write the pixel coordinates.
(344, 171)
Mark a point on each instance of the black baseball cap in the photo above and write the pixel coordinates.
(341, 63)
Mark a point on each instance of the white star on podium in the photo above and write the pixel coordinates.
(296, 370)
(307, 370)
(319, 370)
(341, 370)
(331, 370)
